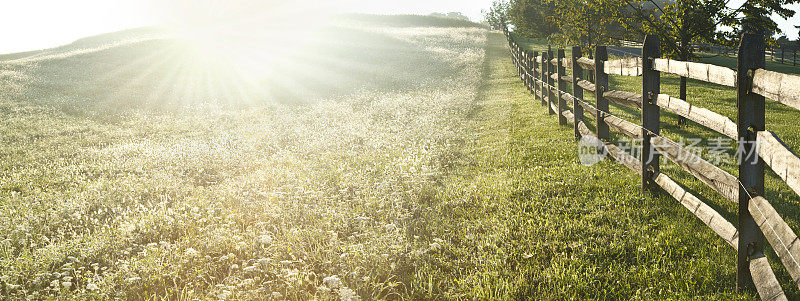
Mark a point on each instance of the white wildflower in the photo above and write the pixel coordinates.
(347, 294)
(265, 239)
(191, 253)
(331, 281)
(224, 295)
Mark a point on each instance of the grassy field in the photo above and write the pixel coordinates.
(780, 119)
(412, 164)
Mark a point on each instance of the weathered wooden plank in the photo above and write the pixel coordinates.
(554, 107)
(767, 285)
(568, 114)
(680, 68)
(699, 71)
(701, 210)
(716, 178)
(778, 156)
(628, 128)
(589, 108)
(626, 67)
(614, 151)
(703, 116)
(722, 75)
(783, 240)
(586, 85)
(624, 98)
(566, 78)
(586, 63)
(780, 87)
(624, 158)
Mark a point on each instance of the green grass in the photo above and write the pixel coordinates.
(780, 119)
(421, 170)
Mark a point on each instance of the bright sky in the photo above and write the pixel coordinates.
(37, 24)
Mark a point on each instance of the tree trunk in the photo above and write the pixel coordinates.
(684, 56)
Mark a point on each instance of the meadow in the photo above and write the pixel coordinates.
(393, 159)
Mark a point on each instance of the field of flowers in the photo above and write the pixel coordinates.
(118, 182)
(385, 157)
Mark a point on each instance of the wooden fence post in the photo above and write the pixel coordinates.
(545, 89)
(519, 66)
(536, 86)
(783, 51)
(577, 91)
(543, 78)
(601, 86)
(551, 83)
(562, 87)
(751, 120)
(651, 112)
(531, 81)
(529, 71)
(523, 59)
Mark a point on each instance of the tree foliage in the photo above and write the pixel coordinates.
(587, 22)
(497, 15)
(533, 18)
(679, 23)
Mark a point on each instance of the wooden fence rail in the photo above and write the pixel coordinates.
(544, 75)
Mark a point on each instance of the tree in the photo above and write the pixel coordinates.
(497, 15)
(533, 18)
(681, 23)
(457, 15)
(587, 22)
(798, 37)
(755, 16)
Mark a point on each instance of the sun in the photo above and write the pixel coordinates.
(234, 52)
(250, 39)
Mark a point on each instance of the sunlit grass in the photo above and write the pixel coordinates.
(402, 161)
(132, 169)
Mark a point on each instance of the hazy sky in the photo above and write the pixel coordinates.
(36, 24)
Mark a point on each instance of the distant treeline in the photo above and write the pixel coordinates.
(680, 23)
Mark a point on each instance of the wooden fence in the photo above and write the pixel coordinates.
(544, 75)
(781, 55)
